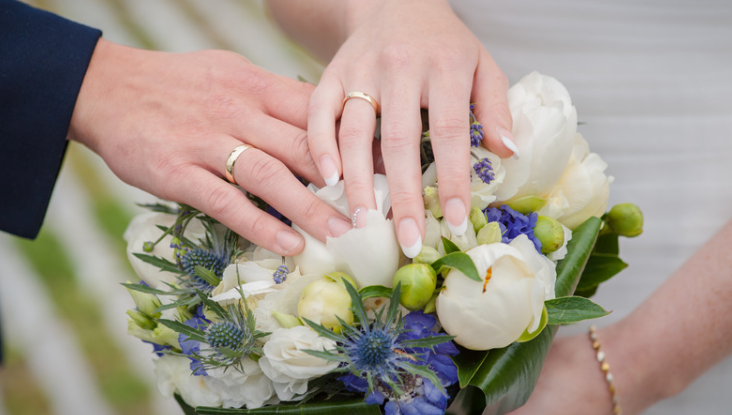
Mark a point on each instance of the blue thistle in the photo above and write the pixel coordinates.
(396, 359)
(191, 258)
(484, 170)
(280, 274)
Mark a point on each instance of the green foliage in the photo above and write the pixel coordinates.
(568, 310)
(459, 261)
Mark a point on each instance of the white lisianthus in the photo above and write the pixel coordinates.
(174, 376)
(287, 364)
(370, 254)
(236, 388)
(494, 312)
(481, 193)
(144, 228)
(436, 229)
(584, 189)
(544, 125)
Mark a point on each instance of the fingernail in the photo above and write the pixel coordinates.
(457, 218)
(358, 218)
(410, 238)
(338, 226)
(507, 140)
(328, 170)
(288, 240)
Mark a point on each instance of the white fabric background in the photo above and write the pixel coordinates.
(652, 81)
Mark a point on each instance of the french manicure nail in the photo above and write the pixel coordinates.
(457, 218)
(358, 218)
(328, 170)
(338, 226)
(410, 238)
(288, 240)
(507, 140)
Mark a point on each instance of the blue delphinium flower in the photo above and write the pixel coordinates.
(192, 348)
(400, 362)
(513, 224)
(484, 170)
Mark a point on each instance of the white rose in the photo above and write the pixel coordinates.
(236, 388)
(509, 300)
(584, 189)
(544, 124)
(370, 254)
(288, 366)
(174, 376)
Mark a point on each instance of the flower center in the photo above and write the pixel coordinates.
(227, 335)
(488, 275)
(372, 350)
(200, 257)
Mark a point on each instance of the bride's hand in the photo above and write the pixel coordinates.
(166, 123)
(406, 55)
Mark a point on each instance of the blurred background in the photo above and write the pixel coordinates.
(62, 310)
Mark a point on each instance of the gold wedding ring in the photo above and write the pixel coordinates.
(364, 96)
(233, 156)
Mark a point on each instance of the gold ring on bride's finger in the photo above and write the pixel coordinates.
(233, 156)
(364, 96)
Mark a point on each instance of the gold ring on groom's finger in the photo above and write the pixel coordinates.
(233, 156)
(364, 96)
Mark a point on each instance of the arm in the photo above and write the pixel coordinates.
(678, 333)
(407, 55)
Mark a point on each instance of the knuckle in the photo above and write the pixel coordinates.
(450, 128)
(254, 226)
(264, 170)
(221, 200)
(300, 157)
(397, 56)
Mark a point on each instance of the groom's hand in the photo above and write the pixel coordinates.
(166, 123)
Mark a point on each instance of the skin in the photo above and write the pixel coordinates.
(407, 55)
(678, 333)
(166, 123)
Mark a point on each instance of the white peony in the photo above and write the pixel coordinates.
(584, 189)
(287, 364)
(544, 125)
(370, 254)
(496, 311)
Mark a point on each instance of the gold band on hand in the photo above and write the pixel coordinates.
(605, 367)
(233, 156)
(364, 96)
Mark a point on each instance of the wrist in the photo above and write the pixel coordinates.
(357, 12)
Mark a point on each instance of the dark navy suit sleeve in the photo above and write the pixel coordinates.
(43, 59)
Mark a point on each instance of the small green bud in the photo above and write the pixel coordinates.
(184, 314)
(550, 233)
(526, 204)
(431, 305)
(489, 234)
(147, 303)
(418, 283)
(148, 246)
(427, 255)
(325, 300)
(286, 320)
(432, 201)
(141, 319)
(625, 219)
(339, 277)
(477, 218)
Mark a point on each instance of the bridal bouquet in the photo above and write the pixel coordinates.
(353, 325)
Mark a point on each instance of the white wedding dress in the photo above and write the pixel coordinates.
(652, 83)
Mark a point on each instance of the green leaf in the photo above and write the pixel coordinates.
(375, 291)
(600, 268)
(145, 289)
(313, 407)
(568, 310)
(207, 275)
(426, 342)
(161, 263)
(607, 243)
(506, 377)
(459, 261)
(468, 362)
(586, 293)
(193, 334)
(449, 245)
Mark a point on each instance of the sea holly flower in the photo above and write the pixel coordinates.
(508, 301)
(391, 358)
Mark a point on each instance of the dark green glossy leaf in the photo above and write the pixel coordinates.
(332, 407)
(586, 293)
(568, 310)
(459, 261)
(607, 243)
(468, 362)
(450, 246)
(600, 268)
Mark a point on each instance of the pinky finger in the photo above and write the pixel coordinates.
(231, 207)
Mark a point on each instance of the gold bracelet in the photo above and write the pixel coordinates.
(605, 367)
